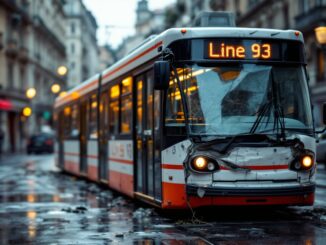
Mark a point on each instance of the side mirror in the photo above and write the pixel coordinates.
(161, 75)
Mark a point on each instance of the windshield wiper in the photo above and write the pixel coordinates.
(278, 111)
(265, 110)
(279, 123)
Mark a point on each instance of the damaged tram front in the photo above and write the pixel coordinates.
(238, 127)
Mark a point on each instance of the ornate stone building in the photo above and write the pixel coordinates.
(81, 42)
(32, 46)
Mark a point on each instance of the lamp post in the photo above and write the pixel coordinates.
(321, 35)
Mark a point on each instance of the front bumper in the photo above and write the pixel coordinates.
(213, 191)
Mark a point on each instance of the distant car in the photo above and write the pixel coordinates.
(40, 143)
(321, 149)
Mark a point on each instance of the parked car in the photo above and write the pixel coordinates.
(40, 143)
(321, 148)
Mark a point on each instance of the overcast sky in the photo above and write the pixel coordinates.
(118, 16)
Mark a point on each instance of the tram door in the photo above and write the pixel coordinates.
(60, 135)
(147, 162)
(83, 136)
(103, 137)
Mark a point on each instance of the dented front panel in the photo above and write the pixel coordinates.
(247, 169)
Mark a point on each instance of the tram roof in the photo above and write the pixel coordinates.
(149, 50)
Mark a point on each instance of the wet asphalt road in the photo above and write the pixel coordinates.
(40, 205)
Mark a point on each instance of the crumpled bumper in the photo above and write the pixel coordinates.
(211, 191)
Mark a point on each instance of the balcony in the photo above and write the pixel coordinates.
(310, 19)
(23, 55)
(12, 48)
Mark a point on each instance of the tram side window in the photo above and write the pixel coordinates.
(93, 117)
(74, 132)
(67, 121)
(174, 112)
(126, 106)
(114, 110)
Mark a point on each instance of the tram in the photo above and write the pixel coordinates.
(199, 116)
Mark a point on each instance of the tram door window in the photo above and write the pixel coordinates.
(140, 158)
(149, 133)
(126, 106)
(148, 175)
(157, 145)
(103, 136)
(114, 110)
(93, 118)
(83, 136)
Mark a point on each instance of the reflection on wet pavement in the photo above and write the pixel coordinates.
(40, 205)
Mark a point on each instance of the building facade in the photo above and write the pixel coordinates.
(81, 42)
(303, 15)
(148, 23)
(31, 48)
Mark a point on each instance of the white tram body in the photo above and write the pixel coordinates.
(115, 128)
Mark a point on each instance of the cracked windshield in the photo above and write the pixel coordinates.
(226, 100)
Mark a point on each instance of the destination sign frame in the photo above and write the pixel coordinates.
(242, 49)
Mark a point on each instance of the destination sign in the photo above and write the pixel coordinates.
(242, 49)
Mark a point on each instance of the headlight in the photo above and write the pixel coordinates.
(200, 163)
(203, 164)
(306, 161)
(303, 162)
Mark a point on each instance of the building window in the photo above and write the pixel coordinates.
(320, 66)
(72, 48)
(10, 78)
(22, 77)
(72, 28)
(304, 6)
(1, 40)
(252, 3)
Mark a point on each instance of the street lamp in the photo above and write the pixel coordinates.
(31, 93)
(27, 111)
(55, 88)
(321, 35)
(62, 70)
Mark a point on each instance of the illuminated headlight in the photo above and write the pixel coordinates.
(204, 164)
(200, 163)
(303, 162)
(307, 162)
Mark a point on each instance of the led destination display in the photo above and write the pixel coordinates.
(242, 49)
